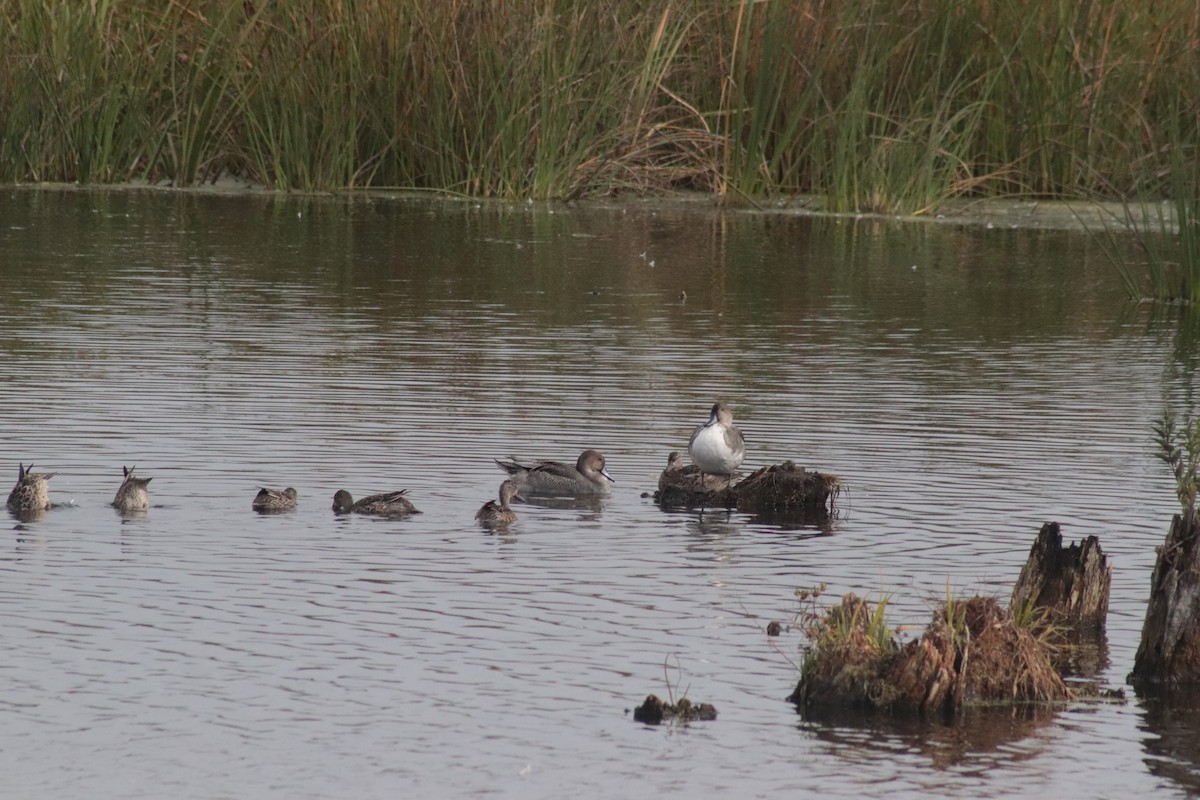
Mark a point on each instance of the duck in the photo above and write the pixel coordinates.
(387, 504)
(32, 490)
(587, 477)
(717, 447)
(686, 477)
(270, 500)
(500, 513)
(132, 494)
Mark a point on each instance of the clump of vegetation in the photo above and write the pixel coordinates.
(972, 652)
(846, 644)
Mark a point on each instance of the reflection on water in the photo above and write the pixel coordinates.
(1084, 656)
(969, 740)
(967, 385)
(1170, 721)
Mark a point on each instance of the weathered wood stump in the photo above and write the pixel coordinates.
(971, 653)
(780, 489)
(1070, 584)
(1169, 653)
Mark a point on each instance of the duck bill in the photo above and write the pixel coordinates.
(604, 472)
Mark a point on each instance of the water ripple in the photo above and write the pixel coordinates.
(202, 650)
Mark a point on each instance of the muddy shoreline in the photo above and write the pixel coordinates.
(1012, 212)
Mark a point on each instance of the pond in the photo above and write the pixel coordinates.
(966, 383)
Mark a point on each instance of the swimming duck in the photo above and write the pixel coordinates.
(717, 447)
(388, 504)
(32, 490)
(132, 494)
(500, 513)
(270, 500)
(587, 477)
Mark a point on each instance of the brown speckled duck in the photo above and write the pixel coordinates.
(686, 477)
(500, 513)
(388, 504)
(132, 495)
(32, 491)
(269, 501)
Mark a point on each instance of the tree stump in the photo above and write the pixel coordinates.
(1071, 583)
(1169, 653)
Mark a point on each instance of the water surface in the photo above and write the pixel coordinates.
(967, 384)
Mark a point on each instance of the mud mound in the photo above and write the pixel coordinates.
(780, 490)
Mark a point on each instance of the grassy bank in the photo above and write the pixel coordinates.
(889, 106)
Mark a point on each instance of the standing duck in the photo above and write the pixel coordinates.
(717, 447)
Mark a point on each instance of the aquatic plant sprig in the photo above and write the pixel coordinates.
(1179, 449)
(682, 710)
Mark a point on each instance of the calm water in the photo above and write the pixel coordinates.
(966, 384)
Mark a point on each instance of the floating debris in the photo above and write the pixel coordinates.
(655, 711)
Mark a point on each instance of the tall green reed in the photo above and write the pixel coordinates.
(210, 68)
(1164, 223)
(891, 105)
(297, 133)
(71, 109)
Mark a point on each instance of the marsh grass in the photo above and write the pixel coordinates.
(1165, 233)
(854, 622)
(889, 105)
